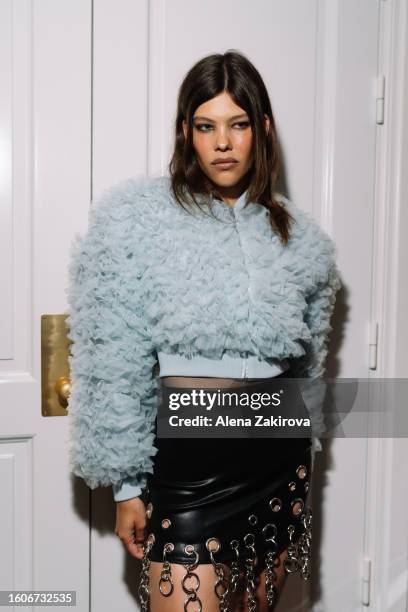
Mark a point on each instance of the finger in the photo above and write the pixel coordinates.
(134, 537)
(136, 548)
(135, 541)
(140, 533)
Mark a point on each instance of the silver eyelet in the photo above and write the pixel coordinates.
(306, 485)
(252, 519)
(297, 506)
(169, 547)
(150, 539)
(213, 545)
(275, 504)
(292, 486)
(149, 510)
(166, 522)
(189, 549)
(301, 472)
(270, 527)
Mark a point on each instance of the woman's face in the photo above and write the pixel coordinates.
(222, 131)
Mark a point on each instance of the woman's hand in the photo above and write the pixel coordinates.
(130, 525)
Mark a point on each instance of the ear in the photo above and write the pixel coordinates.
(267, 123)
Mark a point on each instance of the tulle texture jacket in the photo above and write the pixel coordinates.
(149, 276)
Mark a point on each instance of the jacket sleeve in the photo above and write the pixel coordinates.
(321, 300)
(320, 307)
(112, 405)
(127, 489)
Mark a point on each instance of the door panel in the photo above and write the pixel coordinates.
(44, 170)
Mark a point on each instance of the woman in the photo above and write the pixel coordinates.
(208, 279)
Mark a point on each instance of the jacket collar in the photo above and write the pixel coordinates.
(225, 211)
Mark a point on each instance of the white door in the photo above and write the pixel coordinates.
(92, 100)
(44, 167)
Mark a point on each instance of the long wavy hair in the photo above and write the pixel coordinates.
(233, 73)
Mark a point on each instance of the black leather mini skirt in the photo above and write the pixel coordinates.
(229, 501)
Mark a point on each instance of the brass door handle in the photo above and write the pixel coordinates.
(63, 389)
(55, 370)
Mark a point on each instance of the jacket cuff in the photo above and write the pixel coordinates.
(126, 489)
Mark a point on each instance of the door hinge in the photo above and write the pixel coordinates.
(380, 99)
(373, 345)
(366, 582)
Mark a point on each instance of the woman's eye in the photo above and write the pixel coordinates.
(201, 126)
(205, 127)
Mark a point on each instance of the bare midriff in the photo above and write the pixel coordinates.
(209, 382)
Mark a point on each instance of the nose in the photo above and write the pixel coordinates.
(222, 140)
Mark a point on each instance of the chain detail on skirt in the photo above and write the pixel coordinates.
(227, 502)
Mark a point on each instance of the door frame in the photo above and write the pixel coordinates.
(386, 532)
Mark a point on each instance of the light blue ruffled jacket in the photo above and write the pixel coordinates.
(148, 276)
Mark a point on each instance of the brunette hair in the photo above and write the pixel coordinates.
(233, 73)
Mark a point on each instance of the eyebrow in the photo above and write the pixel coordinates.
(212, 120)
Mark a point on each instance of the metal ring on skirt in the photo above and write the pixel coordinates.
(228, 501)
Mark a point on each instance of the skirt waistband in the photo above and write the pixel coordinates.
(225, 383)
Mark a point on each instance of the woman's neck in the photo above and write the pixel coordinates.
(230, 195)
